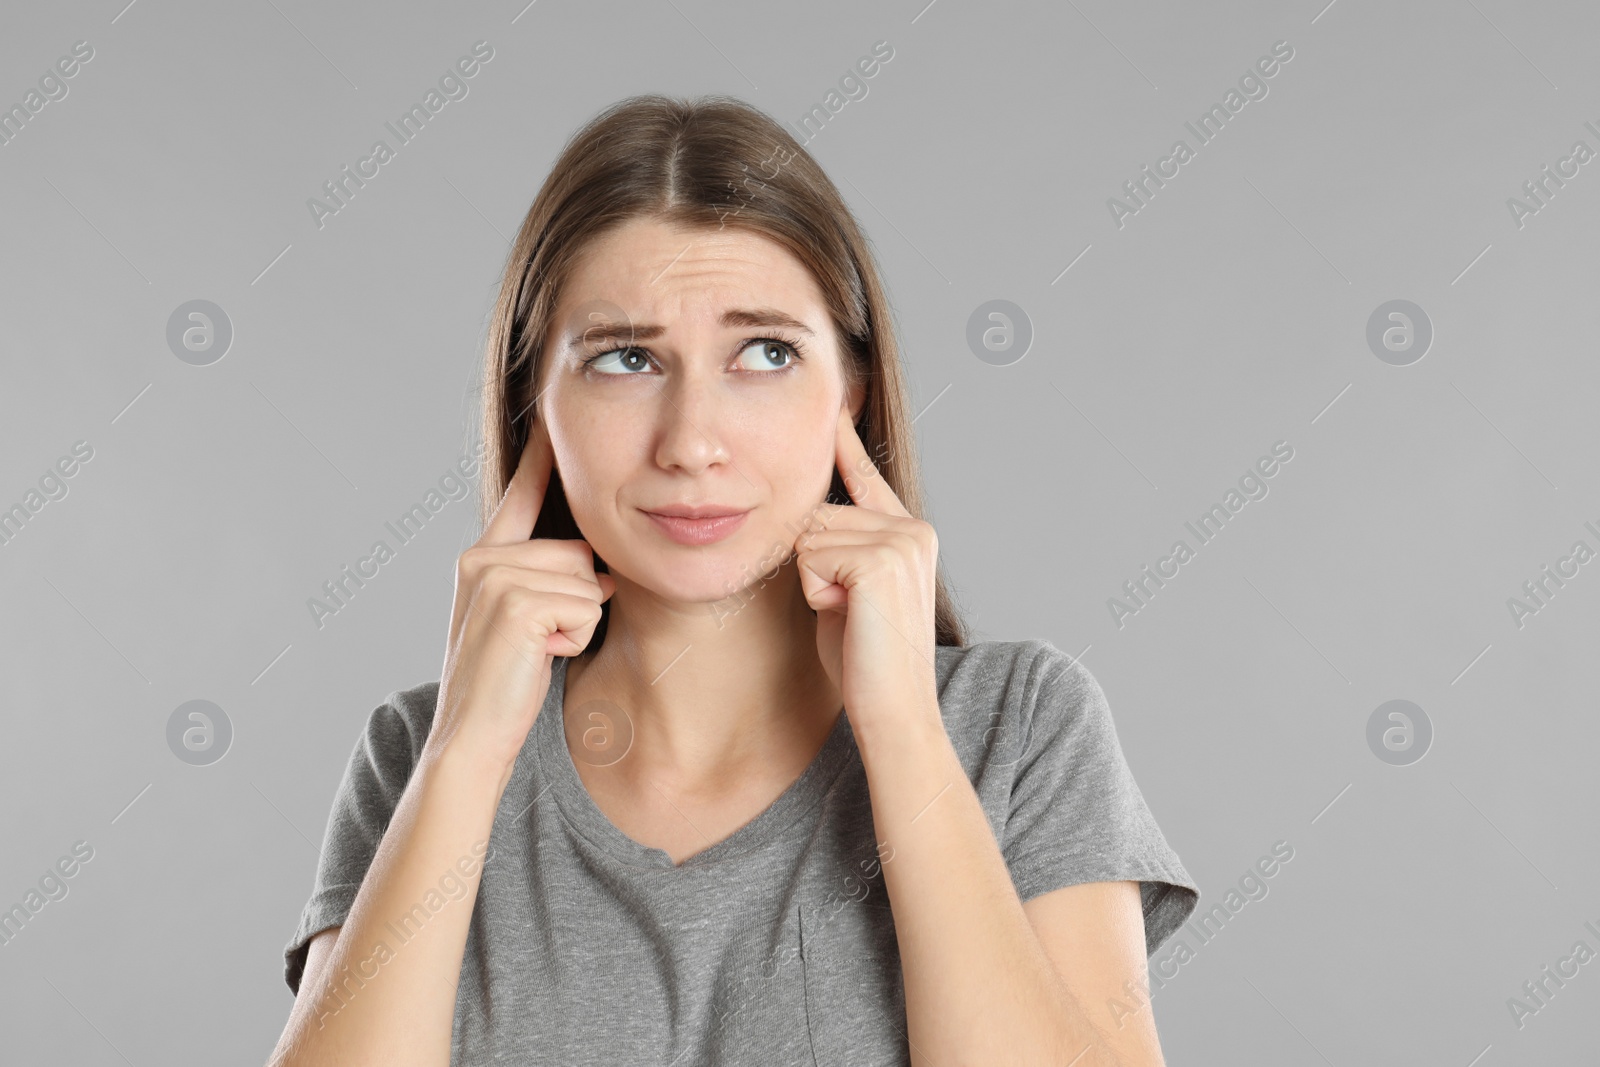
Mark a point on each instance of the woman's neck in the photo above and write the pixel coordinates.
(711, 694)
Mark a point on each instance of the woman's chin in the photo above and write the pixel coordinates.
(724, 584)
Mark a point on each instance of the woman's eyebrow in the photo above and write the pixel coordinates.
(605, 333)
(762, 316)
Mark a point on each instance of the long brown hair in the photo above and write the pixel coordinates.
(707, 162)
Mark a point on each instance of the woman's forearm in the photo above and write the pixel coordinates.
(979, 987)
(387, 995)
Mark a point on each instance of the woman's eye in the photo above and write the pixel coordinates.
(619, 362)
(770, 355)
(765, 355)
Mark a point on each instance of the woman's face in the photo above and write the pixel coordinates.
(705, 399)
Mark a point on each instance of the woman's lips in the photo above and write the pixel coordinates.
(697, 531)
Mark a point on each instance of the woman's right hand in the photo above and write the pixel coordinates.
(519, 602)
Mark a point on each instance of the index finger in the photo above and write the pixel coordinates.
(513, 521)
(861, 478)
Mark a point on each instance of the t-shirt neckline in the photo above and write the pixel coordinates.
(583, 815)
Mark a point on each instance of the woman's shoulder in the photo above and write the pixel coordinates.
(416, 703)
(992, 692)
(996, 666)
(397, 728)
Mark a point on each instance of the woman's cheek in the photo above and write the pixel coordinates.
(800, 444)
(578, 487)
(593, 522)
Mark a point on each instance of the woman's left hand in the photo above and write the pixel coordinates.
(869, 571)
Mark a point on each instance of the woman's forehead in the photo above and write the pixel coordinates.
(655, 278)
(647, 261)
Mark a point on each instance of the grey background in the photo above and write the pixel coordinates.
(1228, 314)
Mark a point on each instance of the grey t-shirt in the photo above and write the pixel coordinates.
(775, 945)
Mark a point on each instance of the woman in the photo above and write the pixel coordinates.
(711, 775)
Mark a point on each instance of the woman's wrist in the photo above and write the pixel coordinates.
(457, 757)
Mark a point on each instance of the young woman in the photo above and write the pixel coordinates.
(712, 775)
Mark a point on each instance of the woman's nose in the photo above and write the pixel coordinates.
(690, 418)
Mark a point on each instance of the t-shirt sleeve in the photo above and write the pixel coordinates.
(379, 767)
(1076, 814)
